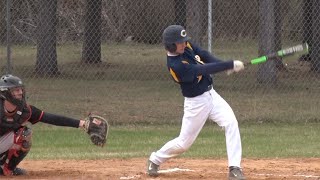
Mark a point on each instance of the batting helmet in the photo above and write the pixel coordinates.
(7, 82)
(174, 34)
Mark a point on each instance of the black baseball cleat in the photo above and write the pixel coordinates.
(19, 171)
(16, 172)
(235, 173)
(152, 169)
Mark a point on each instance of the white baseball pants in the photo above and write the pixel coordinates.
(209, 105)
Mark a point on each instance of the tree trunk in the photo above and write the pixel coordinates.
(47, 63)
(307, 28)
(2, 22)
(315, 45)
(91, 51)
(195, 26)
(267, 73)
(279, 5)
(180, 10)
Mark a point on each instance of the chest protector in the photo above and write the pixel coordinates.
(13, 121)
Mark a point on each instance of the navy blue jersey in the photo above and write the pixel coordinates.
(192, 69)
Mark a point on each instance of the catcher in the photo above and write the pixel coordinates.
(16, 118)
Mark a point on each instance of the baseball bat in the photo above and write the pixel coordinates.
(303, 48)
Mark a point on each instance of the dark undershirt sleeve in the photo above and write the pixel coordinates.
(213, 68)
(59, 120)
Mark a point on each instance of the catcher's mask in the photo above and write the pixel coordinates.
(174, 34)
(7, 83)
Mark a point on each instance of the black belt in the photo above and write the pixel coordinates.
(209, 87)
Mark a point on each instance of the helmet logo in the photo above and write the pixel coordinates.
(20, 82)
(183, 33)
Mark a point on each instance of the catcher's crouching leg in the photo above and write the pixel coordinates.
(10, 168)
(10, 160)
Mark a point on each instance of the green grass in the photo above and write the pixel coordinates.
(144, 102)
(133, 86)
(133, 90)
(258, 140)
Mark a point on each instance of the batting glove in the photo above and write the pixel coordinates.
(237, 66)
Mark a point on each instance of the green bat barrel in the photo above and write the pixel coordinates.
(259, 60)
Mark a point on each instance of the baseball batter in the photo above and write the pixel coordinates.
(16, 117)
(191, 67)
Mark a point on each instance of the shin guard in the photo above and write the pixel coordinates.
(18, 151)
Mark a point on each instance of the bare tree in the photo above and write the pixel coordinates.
(47, 63)
(195, 21)
(315, 53)
(180, 10)
(310, 26)
(267, 41)
(278, 16)
(307, 28)
(2, 22)
(91, 51)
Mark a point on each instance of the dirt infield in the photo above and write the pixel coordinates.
(179, 168)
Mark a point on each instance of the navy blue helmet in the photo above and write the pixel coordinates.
(174, 34)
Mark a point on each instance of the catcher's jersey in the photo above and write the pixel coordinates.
(183, 69)
(31, 114)
(36, 115)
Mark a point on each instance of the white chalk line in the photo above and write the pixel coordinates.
(173, 170)
(160, 172)
(283, 175)
(189, 170)
(131, 177)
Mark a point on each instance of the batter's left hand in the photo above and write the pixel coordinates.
(237, 66)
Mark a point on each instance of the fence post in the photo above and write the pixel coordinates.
(210, 26)
(8, 70)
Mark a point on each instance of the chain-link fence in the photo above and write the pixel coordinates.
(77, 56)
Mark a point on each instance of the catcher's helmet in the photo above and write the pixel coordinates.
(174, 34)
(7, 82)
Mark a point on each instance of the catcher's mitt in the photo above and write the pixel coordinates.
(97, 127)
